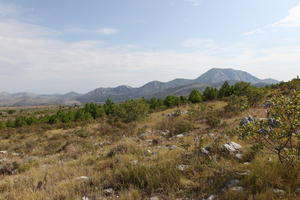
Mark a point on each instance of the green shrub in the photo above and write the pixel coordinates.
(195, 96)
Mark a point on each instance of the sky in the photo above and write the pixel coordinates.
(59, 46)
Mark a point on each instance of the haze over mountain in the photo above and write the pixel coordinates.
(214, 77)
(180, 87)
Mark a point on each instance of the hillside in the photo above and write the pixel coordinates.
(214, 78)
(209, 150)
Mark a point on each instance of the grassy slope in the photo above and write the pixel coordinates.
(136, 165)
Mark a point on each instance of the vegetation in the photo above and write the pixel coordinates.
(172, 148)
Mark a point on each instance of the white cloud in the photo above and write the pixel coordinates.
(292, 20)
(32, 60)
(107, 31)
(254, 32)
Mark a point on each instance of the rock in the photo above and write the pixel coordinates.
(85, 198)
(3, 160)
(15, 154)
(297, 191)
(247, 120)
(239, 156)
(211, 197)
(83, 178)
(273, 122)
(144, 136)
(154, 198)
(279, 192)
(237, 189)
(108, 191)
(179, 136)
(204, 151)
(134, 162)
(246, 163)
(182, 167)
(3, 152)
(173, 147)
(232, 183)
(232, 147)
(243, 173)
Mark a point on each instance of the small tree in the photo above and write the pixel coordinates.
(281, 133)
(210, 93)
(225, 91)
(195, 96)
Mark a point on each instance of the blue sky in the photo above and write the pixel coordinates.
(64, 45)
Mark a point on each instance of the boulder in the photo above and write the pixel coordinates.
(232, 147)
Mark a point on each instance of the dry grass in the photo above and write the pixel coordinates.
(137, 161)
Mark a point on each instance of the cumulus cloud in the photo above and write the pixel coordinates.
(291, 20)
(31, 59)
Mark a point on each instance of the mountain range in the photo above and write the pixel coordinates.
(215, 77)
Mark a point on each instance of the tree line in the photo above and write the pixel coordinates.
(133, 110)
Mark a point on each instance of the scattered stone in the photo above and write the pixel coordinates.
(182, 167)
(154, 198)
(172, 147)
(3, 152)
(83, 178)
(15, 154)
(211, 197)
(135, 162)
(144, 136)
(246, 163)
(204, 151)
(85, 198)
(3, 160)
(244, 173)
(273, 122)
(232, 183)
(108, 191)
(232, 147)
(270, 159)
(239, 156)
(247, 120)
(237, 189)
(279, 191)
(297, 191)
(179, 135)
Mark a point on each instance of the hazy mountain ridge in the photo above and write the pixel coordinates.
(215, 77)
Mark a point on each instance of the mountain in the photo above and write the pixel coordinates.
(215, 77)
(31, 99)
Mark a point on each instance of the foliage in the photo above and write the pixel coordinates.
(195, 96)
(280, 134)
(237, 104)
(132, 110)
(225, 91)
(210, 93)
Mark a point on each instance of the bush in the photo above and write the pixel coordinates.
(237, 104)
(132, 110)
(210, 93)
(281, 133)
(195, 96)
